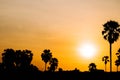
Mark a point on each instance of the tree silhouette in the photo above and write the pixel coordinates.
(46, 56)
(53, 64)
(23, 59)
(60, 69)
(111, 33)
(16, 60)
(105, 60)
(8, 59)
(92, 67)
(117, 62)
(118, 53)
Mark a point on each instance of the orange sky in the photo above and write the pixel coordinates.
(59, 25)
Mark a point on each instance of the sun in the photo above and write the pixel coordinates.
(87, 50)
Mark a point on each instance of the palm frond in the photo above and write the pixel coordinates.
(117, 53)
(103, 59)
(119, 50)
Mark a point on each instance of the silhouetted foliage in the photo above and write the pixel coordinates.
(24, 70)
(23, 59)
(17, 60)
(46, 56)
(105, 60)
(60, 69)
(92, 67)
(53, 64)
(111, 33)
(117, 62)
(118, 53)
(8, 60)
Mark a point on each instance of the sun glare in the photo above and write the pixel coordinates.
(87, 50)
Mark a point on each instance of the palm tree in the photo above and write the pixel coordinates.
(117, 62)
(118, 53)
(92, 67)
(46, 56)
(111, 33)
(105, 60)
(53, 64)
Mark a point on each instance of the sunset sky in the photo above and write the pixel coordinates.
(62, 26)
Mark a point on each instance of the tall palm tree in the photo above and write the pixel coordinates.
(46, 56)
(105, 60)
(92, 67)
(111, 33)
(53, 64)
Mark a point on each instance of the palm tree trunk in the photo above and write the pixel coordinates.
(105, 67)
(45, 66)
(117, 68)
(110, 57)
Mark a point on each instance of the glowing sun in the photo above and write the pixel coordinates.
(87, 50)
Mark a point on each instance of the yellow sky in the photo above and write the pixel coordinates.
(58, 25)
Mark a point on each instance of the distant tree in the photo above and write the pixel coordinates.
(17, 60)
(117, 62)
(60, 69)
(46, 56)
(92, 67)
(23, 59)
(53, 64)
(8, 59)
(105, 60)
(111, 33)
(76, 70)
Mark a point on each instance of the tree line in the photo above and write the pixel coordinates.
(20, 60)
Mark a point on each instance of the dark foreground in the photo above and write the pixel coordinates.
(60, 76)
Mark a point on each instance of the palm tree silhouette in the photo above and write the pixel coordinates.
(117, 62)
(118, 53)
(53, 64)
(46, 56)
(92, 67)
(105, 60)
(111, 33)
